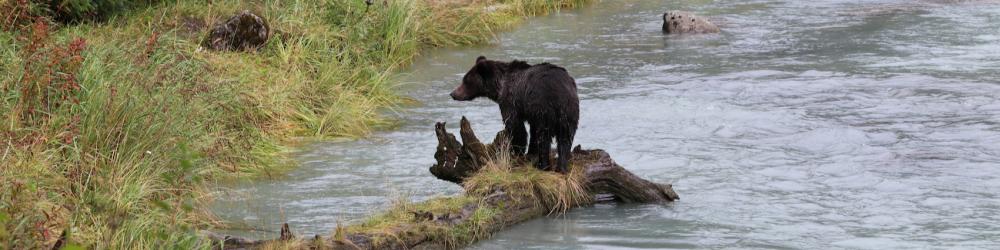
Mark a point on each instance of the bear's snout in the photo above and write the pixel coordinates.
(459, 94)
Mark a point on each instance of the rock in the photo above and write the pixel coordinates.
(244, 31)
(683, 22)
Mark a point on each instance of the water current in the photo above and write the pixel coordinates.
(804, 124)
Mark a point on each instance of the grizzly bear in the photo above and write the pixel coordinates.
(679, 22)
(544, 95)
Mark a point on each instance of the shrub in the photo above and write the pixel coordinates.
(78, 10)
(17, 13)
(64, 11)
(49, 74)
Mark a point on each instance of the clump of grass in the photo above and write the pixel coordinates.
(115, 135)
(555, 191)
(386, 228)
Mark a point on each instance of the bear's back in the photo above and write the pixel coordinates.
(551, 74)
(543, 70)
(544, 81)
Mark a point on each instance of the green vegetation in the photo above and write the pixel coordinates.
(113, 130)
(77, 10)
(386, 227)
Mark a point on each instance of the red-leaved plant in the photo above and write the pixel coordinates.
(49, 79)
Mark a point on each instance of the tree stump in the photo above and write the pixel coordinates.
(244, 31)
(481, 211)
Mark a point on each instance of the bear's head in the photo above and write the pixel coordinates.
(485, 79)
(481, 80)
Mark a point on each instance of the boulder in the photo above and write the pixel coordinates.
(683, 22)
(244, 31)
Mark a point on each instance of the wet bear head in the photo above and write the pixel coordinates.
(481, 80)
(486, 79)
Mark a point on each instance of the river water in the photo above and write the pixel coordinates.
(804, 124)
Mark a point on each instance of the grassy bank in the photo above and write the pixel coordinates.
(112, 131)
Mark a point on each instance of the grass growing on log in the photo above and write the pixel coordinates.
(558, 192)
(519, 180)
(110, 129)
(386, 229)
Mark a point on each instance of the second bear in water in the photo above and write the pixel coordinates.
(681, 22)
(544, 95)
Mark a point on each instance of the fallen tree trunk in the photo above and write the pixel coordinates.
(456, 161)
(499, 193)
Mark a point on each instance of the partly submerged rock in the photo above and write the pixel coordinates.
(681, 22)
(244, 31)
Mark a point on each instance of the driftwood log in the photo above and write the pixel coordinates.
(603, 179)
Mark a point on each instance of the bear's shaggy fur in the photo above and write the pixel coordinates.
(544, 95)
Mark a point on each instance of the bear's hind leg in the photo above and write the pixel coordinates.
(564, 143)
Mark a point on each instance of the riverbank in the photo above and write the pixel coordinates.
(114, 130)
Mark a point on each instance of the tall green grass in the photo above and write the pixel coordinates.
(121, 147)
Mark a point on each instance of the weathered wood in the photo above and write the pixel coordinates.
(454, 164)
(220, 241)
(603, 179)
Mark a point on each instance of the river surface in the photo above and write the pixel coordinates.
(803, 125)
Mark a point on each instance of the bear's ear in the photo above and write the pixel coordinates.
(480, 59)
(484, 69)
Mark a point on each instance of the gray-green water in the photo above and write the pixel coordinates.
(805, 124)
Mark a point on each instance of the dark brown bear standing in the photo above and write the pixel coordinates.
(244, 31)
(544, 95)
